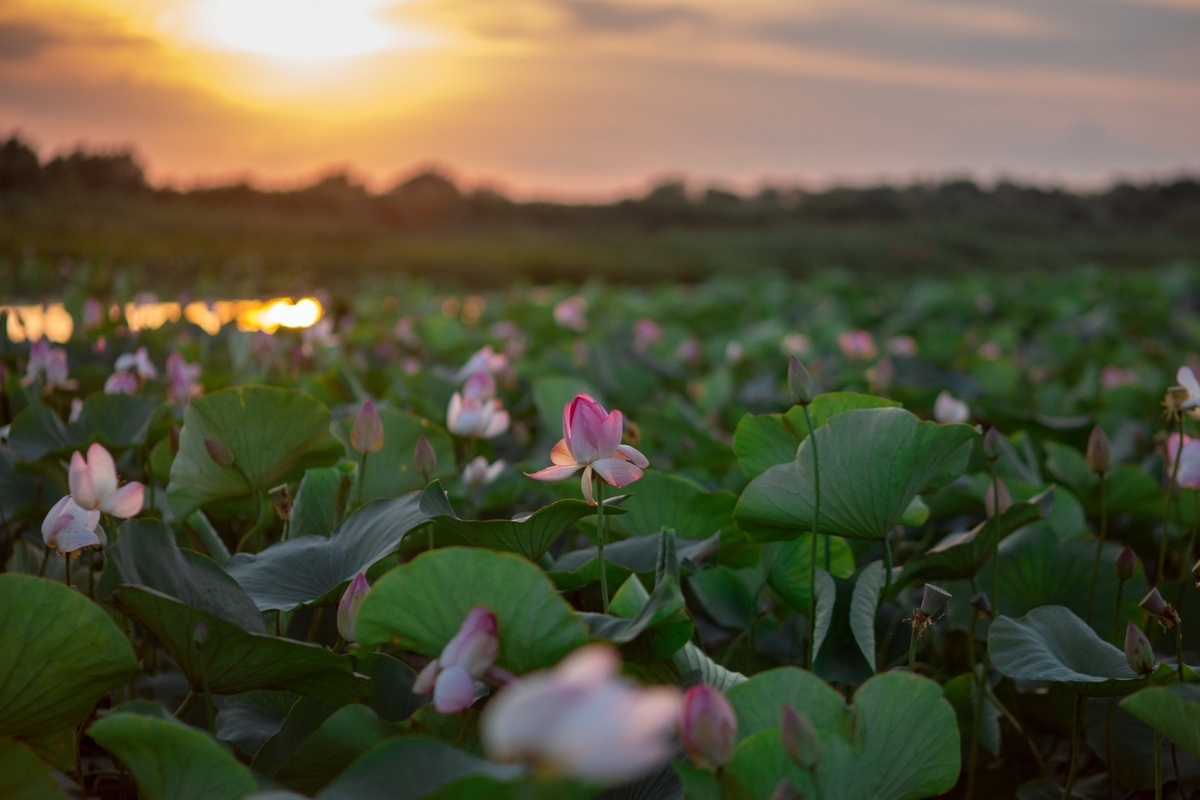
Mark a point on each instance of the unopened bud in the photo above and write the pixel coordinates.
(347, 610)
(219, 452)
(990, 504)
(200, 635)
(366, 436)
(1138, 651)
(424, 457)
(800, 383)
(707, 726)
(982, 604)
(281, 497)
(934, 600)
(992, 442)
(1125, 563)
(800, 740)
(1098, 457)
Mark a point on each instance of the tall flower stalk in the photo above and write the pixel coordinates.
(801, 385)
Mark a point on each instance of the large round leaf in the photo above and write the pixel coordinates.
(1173, 711)
(661, 500)
(114, 420)
(23, 776)
(873, 462)
(59, 654)
(172, 761)
(421, 605)
(272, 434)
(232, 660)
(758, 702)
(1050, 643)
(316, 569)
(763, 440)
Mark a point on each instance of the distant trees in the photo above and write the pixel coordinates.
(78, 171)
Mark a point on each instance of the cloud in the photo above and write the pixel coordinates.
(604, 16)
(551, 22)
(20, 41)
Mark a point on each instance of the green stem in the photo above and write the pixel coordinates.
(812, 561)
(995, 598)
(981, 680)
(1157, 766)
(1075, 720)
(1162, 545)
(362, 474)
(67, 565)
(912, 648)
(887, 567)
(1099, 548)
(1108, 746)
(91, 573)
(1179, 649)
(186, 704)
(45, 561)
(254, 529)
(1019, 728)
(598, 495)
(1117, 616)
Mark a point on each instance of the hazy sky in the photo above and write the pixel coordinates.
(579, 98)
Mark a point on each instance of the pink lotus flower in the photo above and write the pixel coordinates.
(467, 657)
(93, 484)
(857, 345)
(580, 720)
(572, 314)
(181, 380)
(138, 362)
(646, 334)
(481, 385)
(121, 383)
(947, 408)
(69, 528)
(48, 365)
(1187, 379)
(1188, 474)
(483, 360)
(592, 442)
(471, 416)
(478, 473)
(707, 726)
(347, 609)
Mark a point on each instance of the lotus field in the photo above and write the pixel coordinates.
(752, 538)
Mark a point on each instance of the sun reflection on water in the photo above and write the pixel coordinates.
(32, 322)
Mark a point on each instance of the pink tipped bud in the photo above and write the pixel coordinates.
(1138, 651)
(800, 383)
(1098, 458)
(367, 434)
(424, 457)
(992, 443)
(990, 503)
(355, 593)
(707, 726)
(1125, 563)
(800, 740)
(218, 452)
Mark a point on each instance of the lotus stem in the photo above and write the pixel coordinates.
(1012, 720)
(186, 704)
(981, 680)
(995, 597)
(1179, 648)
(912, 648)
(45, 561)
(1075, 719)
(67, 565)
(254, 529)
(1108, 746)
(1099, 546)
(362, 474)
(1117, 615)
(812, 561)
(1162, 545)
(598, 494)
(1157, 766)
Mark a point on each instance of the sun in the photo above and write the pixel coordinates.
(302, 30)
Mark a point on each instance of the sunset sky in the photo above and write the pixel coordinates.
(591, 98)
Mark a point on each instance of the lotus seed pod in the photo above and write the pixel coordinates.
(934, 600)
(1154, 603)
(1098, 457)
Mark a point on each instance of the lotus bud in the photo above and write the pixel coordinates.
(992, 442)
(990, 504)
(1098, 458)
(1163, 611)
(707, 726)
(347, 610)
(800, 740)
(366, 436)
(934, 600)
(200, 635)
(281, 497)
(1125, 563)
(467, 657)
(219, 452)
(424, 457)
(1138, 651)
(982, 604)
(800, 383)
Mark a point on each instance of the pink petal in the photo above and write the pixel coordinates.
(79, 479)
(58, 518)
(74, 537)
(633, 455)
(476, 644)
(454, 690)
(555, 473)
(125, 502)
(428, 677)
(585, 484)
(103, 471)
(496, 425)
(617, 471)
(561, 455)
(609, 435)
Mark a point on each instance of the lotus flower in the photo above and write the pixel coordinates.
(707, 726)
(580, 720)
(478, 473)
(93, 484)
(592, 442)
(471, 416)
(483, 360)
(69, 528)
(572, 314)
(347, 609)
(366, 435)
(48, 365)
(465, 658)
(1187, 379)
(138, 362)
(181, 380)
(122, 382)
(857, 345)
(947, 408)
(1188, 475)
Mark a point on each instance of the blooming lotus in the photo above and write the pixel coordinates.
(1187, 379)
(121, 382)
(472, 416)
(483, 360)
(467, 657)
(69, 528)
(947, 408)
(580, 720)
(93, 484)
(592, 442)
(1187, 474)
(49, 366)
(138, 362)
(572, 314)
(857, 345)
(478, 473)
